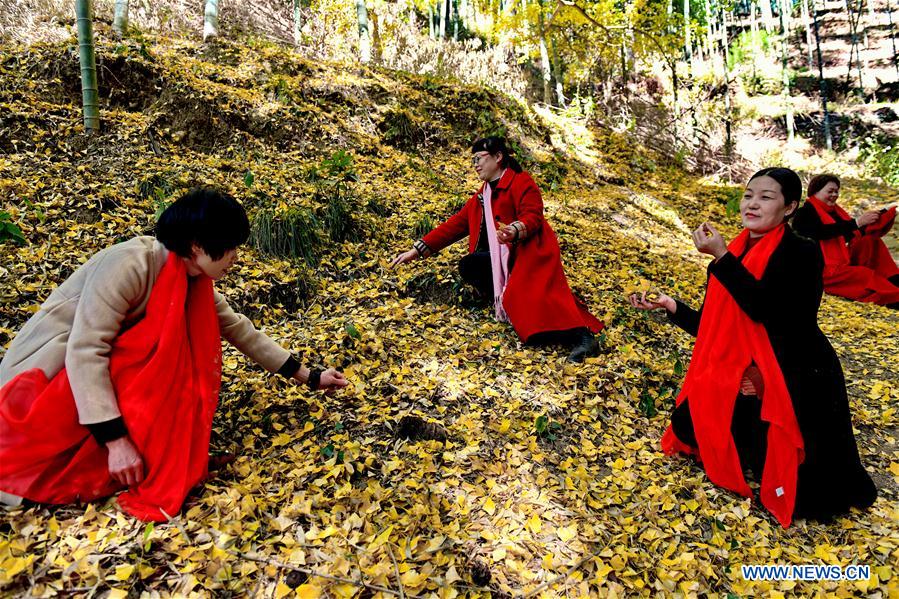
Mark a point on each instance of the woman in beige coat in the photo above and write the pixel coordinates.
(78, 328)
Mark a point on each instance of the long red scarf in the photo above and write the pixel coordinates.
(835, 250)
(166, 371)
(727, 342)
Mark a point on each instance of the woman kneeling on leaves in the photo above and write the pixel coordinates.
(765, 391)
(113, 383)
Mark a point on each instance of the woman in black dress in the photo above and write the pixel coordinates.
(783, 297)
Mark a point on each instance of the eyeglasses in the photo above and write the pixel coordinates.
(478, 158)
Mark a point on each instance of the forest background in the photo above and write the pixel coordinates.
(458, 463)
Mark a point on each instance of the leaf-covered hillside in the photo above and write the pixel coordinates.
(550, 481)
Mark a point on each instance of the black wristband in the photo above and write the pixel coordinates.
(104, 432)
(289, 368)
(315, 378)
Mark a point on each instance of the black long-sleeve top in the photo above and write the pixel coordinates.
(808, 224)
(785, 301)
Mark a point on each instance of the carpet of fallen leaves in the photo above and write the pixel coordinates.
(550, 481)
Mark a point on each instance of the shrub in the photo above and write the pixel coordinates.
(291, 234)
(10, 231)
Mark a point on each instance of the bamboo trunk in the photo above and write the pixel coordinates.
(822, 84)
(364, 41)
(893, 36)
(808, 34)
(545, 66)
(557, 72)
(90, 95)
(120, 20)
(688, 46)
(211, 19)
(767, 15)
(784, 54)
(297, 23)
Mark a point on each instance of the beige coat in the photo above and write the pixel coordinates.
(77, 324)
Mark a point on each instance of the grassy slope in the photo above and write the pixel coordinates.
(323, 481)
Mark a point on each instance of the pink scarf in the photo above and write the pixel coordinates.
(499, 257)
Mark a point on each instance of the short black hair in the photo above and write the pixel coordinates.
(819, 182)
(210, 218)
(497, 145)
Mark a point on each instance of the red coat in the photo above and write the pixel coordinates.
(537, 296)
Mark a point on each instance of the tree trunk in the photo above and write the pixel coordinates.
(211, 19)
(784, 54)
(709, 33)
(557, 72)
(364, 40)
(853, 29)
(456, 20)
(753, 21)
(872, 22)
(89, 93)
(728, 110)
(375, 37)
(444, 9)
(893, 37)
(688, 46)
(767, 15)
(670, 20)
(725, 38)
(432, 33)
(822, 84)
(545, 66)
(120, 20)
(297, 23)
(808, 34)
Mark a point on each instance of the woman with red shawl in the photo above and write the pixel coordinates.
(516, 267)
(112, 384)
(857, 263)
(765, 391)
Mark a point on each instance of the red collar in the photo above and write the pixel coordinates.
(506, 180)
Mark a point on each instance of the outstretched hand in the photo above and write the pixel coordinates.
(642, 302)
(332, 379)
(709, 241)
(403, 258)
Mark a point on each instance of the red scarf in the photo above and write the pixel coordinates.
(166, 371)
(835, 250)
(727, 342)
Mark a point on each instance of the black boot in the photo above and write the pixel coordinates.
(585, 345)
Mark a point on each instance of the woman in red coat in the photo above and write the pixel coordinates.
(515, 262)
(857, 263)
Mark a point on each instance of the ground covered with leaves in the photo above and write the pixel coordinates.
(458, 463)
